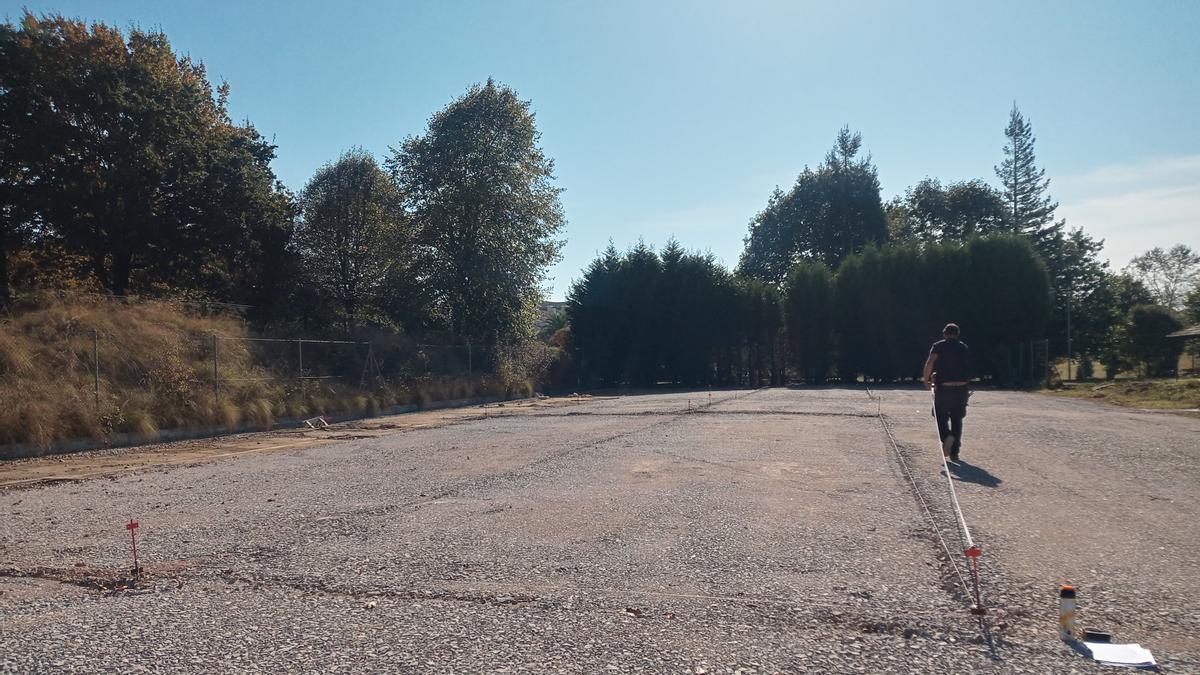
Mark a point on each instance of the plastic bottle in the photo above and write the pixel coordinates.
(1068, 624)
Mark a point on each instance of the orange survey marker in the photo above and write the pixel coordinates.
(131, 526)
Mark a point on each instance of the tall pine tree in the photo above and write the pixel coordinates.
(1072, 258)
(1030, 208)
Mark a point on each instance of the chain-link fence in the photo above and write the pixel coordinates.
(221, 365)
(80, 366)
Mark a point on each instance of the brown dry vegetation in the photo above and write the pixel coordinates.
(1182, 394)
(156, 373)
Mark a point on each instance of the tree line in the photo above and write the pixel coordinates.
(121, 170)
(641, 317)
(853, 286)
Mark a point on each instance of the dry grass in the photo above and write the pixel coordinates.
(156, 373)
(1164, 394)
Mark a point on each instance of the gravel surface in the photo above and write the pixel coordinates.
(745, 531)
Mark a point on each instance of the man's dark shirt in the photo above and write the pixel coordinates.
(953, 361)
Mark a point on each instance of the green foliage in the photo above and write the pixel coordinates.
(809, 317)
(1087, 369)
(1079, 279)
(1077, 274)
(929, 212)
(1191, 305)
(890, 302)
(640, 318)
(551, 326)
(353, 243)
(1112, 305)
(1169, 275)
(828, 214)
(162, 188)
(876, 295)
(1030, 210)
(480, 195)
(1011, 292)
(761, 321)
(1146, 340)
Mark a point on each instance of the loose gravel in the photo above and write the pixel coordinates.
(725, 532)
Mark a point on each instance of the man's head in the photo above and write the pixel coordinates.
(950, 332)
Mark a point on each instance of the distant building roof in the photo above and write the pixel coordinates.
(1190, 331)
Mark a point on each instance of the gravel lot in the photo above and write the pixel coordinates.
(738, 531)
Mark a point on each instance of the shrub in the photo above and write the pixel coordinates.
(1146, 340)
(1086, 370)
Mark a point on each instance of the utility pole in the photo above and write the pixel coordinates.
(300, 363)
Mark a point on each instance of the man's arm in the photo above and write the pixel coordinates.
(927, 375)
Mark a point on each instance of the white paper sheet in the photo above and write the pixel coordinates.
(1132, 655)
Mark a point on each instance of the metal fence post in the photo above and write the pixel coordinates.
(216, 378)
(362, 381)
(300, 355)
(96, 366)
(1032, 365)
(469, 368)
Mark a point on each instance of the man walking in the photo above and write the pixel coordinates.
(947, 371)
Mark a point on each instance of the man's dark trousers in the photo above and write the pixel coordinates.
(949, 407)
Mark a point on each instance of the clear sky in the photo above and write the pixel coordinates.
(678, 117)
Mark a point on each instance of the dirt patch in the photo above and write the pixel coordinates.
(104, 579)
(99, 463)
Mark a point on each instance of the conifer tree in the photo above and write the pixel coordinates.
(1072, 258)
(1029, 206)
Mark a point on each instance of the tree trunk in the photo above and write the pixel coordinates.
(5, 293)
(121, 267)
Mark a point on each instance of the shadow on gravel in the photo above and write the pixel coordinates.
(969, 473)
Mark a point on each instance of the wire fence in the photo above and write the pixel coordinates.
(1028, 364)
(225, 367)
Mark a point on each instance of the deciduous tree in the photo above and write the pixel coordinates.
(481, 197)
(930, 212)
(128, 155)
(352, 237)
(1147, 343)
(1169, 274)
(828, 214)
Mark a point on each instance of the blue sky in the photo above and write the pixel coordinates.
(679, 117)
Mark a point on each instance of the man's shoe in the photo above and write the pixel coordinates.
(954, 457)
(947, 445)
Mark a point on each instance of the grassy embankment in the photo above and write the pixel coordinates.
(1164, 394)
(156, 374)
